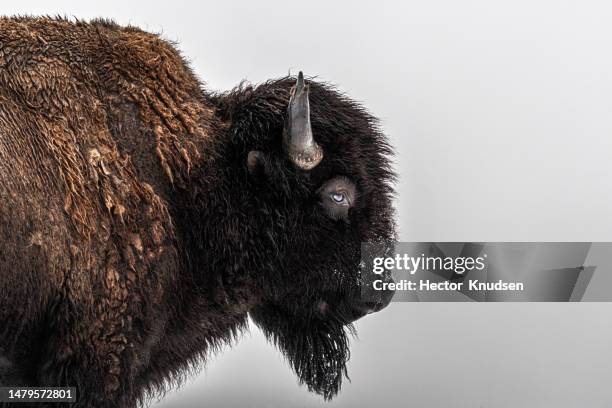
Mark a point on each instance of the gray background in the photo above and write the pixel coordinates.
(500, 113)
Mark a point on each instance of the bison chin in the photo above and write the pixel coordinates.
(316, 349)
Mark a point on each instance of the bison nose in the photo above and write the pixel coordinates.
(377, 304)
(373, 303)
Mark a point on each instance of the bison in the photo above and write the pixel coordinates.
(144, 218)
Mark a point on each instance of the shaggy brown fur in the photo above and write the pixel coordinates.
(106, 144)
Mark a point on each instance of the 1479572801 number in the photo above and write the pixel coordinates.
(33, 394)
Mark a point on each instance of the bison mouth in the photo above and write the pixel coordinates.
(317, 349)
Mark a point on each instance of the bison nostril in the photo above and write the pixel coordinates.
(374, 305)
(365, 308)
(369, 307)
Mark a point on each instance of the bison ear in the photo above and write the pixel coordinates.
(256, 162)
(316, 350)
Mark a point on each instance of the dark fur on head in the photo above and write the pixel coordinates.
(306, 257)
(143, 217)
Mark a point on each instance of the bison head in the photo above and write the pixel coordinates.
(312, 182)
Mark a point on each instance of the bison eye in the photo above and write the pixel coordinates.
(337, 196)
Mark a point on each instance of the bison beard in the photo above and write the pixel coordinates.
(143, 217)
(317, 350)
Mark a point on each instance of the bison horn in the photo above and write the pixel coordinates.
(298, 142)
